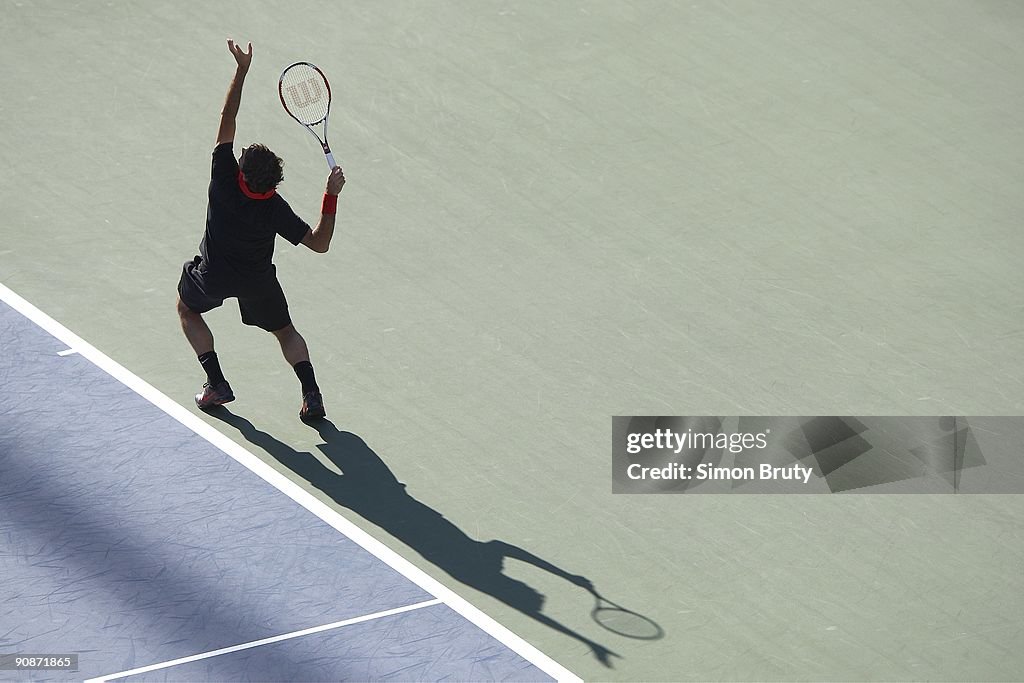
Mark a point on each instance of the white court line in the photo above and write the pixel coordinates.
(68, 352)
(264, 641)
(291, 489)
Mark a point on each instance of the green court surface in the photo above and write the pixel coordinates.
(557, 212)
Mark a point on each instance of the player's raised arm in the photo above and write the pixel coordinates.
(226, 132)
(319, 238)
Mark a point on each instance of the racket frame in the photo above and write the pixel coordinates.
(309, 126)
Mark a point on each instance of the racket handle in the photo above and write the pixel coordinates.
(330, 160)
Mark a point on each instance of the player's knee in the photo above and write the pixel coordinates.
(285, 332)
(184, 311)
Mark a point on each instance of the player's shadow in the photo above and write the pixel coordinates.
(369, 488)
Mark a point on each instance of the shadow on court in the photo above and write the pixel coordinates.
(370, 489)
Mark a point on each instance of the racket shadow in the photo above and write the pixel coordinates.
(371, 490)
(623, 622)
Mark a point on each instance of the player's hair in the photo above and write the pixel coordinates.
(263, 170)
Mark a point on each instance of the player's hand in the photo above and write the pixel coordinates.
(244, 59)
(335, 181)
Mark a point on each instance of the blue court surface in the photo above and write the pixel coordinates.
(136, 536)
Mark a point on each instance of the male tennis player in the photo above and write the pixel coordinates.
(243, 218)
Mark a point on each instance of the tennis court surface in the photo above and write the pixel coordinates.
(555, 213)
(135, 542)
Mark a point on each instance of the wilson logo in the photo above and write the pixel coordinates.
(305, 93)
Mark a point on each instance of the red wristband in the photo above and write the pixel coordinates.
(330, 205)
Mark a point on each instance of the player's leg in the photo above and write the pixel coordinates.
(193, 301)
(197, 332)
(295, 351)
(293, 346)
(270, 312)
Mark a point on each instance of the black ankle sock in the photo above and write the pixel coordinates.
(212, 366)
(304, 371)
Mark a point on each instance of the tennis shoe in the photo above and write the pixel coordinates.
(214, 395)
(312, 406)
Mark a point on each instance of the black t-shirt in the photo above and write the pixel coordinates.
(238, 245)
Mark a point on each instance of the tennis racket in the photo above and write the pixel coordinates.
(306, 96)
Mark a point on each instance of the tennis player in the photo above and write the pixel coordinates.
(244, 215)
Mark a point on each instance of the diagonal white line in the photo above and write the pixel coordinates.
(288, 487)
(264, 641)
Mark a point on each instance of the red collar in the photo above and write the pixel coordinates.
(249, 193)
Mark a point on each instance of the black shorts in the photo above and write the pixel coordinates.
(261, 305)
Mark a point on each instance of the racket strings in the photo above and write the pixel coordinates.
(305, 94)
